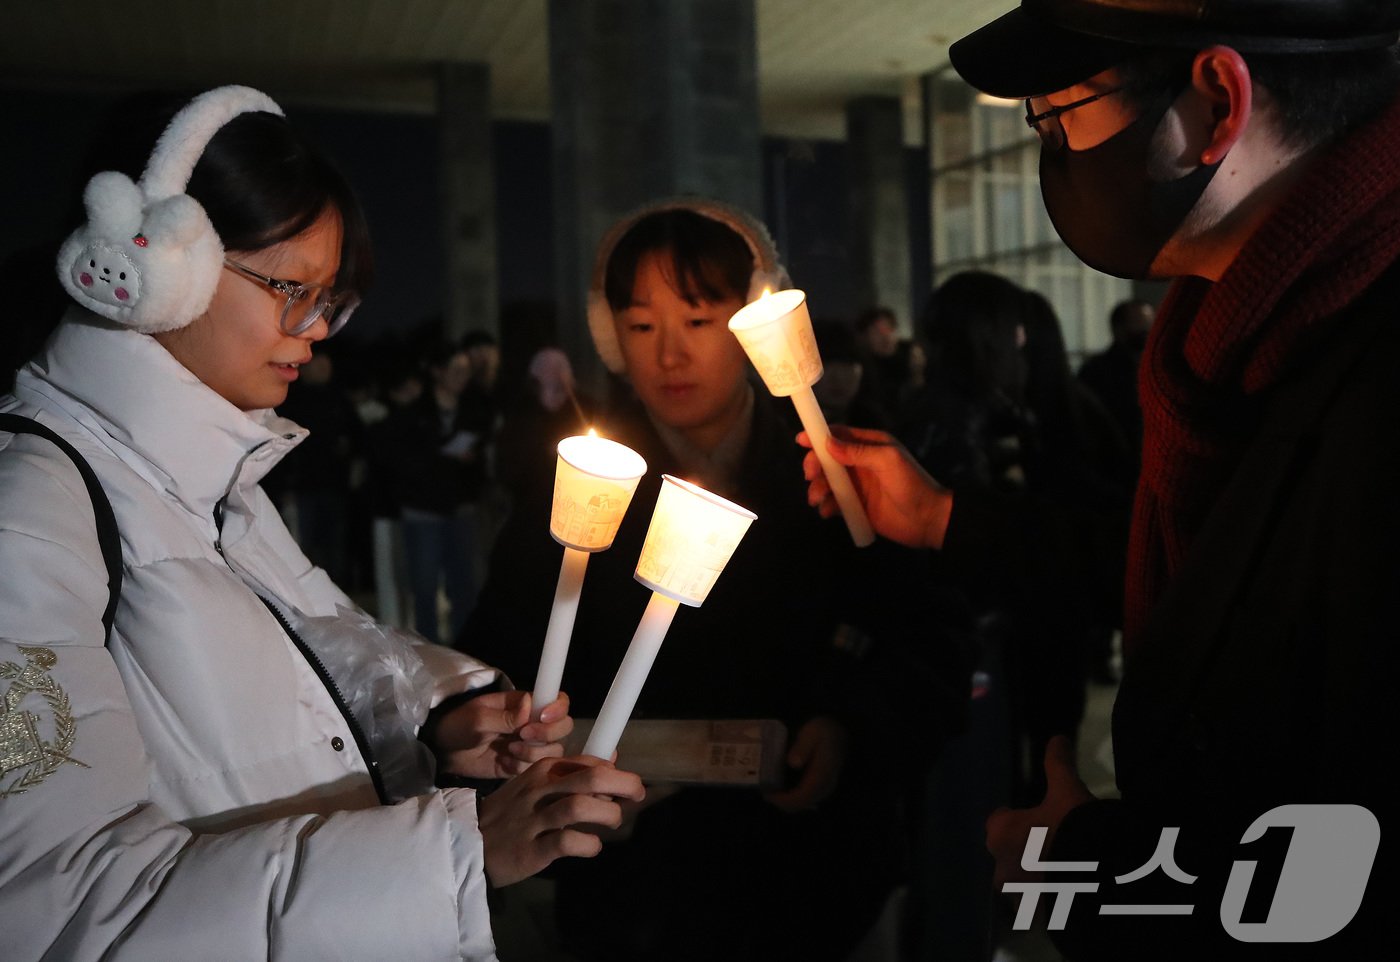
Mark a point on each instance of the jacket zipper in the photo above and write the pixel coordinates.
(319, 667)
(358, 733)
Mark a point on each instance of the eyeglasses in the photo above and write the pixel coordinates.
(1047, 123)
(305, 303)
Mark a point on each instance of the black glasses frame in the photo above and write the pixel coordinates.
(1047, 123)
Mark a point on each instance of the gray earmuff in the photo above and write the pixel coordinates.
(147, 257)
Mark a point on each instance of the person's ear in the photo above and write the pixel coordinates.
(1221, 76)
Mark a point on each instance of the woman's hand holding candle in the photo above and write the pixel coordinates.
(492, 735)
(553, 809)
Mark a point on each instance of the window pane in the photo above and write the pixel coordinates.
(952, 121)
(955, 219)
(1001, 126)
(1004, 217)
(1042, 231)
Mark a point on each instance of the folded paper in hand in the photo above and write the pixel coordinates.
(743, 752)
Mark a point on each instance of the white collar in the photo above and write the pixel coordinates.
(155, 415)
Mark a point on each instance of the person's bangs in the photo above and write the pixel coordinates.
(694, 279)
(703, 260)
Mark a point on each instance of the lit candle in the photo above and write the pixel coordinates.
(692, 536)
(776, 333)
(594, 479)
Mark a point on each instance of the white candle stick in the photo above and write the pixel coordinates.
(814, 423)
(692, 536)
(776, 333)
(560, 630)
(631, 675)
(593, 483)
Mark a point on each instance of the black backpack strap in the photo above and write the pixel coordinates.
(107, 534)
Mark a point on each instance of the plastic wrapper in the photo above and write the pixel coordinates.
(386, 686)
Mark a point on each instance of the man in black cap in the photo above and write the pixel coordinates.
(1249, 149)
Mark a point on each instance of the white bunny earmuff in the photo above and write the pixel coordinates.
(148, 257)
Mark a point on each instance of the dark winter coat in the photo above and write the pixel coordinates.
(767, 643)
(1265, 674)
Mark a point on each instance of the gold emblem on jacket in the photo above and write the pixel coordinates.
(26, 759)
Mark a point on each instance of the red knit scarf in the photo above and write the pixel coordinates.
(1215, 347)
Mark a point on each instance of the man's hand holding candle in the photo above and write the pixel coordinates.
(902, 501)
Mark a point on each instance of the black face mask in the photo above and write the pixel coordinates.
(1104, 206)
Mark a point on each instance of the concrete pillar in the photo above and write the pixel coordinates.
(649, 99)
(468, 197)
(878, 205)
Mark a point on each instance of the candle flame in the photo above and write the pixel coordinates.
(592, 432)
(767, 292)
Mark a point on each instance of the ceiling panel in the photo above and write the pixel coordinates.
(813, 55)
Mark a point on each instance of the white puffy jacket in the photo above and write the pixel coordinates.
(193, 791)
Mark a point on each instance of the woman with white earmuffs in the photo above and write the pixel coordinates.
(205, 748)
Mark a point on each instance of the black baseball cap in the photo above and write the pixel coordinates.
(1048, 45)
